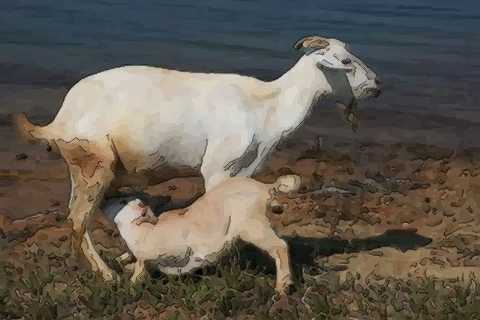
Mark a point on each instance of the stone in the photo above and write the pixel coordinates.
(289, 219)
(434, 220)
(55, 203)
(377, 253)
(453, 261)
(472, 262)
(276, 206)
(21, 156)
(284, 171)
(451, 229)
(464, 217)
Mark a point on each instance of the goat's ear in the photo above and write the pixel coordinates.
(311, 42)
(329, 62)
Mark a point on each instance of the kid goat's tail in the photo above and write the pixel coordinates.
(288, 183)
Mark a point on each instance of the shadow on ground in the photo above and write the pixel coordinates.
(304, 251)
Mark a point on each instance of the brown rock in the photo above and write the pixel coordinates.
(438, 261)
(448, 213)
(426, 208)
(441, 178)
(377, 253)
(434, 220)
(430, 174)
(21, 156)
(42, 236)
(453, 261)
(406, 217)
(464, 217)
(285, 170)
(424, 261)
(349, 234)
(305, 167)
(451, 228)
(288, 219)
(55, 203)
(472, 262)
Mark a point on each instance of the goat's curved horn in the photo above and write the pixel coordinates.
(313, 42)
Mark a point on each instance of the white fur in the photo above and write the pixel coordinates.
(194, 119)
(235, 209)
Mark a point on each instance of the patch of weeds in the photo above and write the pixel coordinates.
(107, 298)
(230, 290)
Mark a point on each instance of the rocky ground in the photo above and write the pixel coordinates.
(377, 231)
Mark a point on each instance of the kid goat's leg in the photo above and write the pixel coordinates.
(138, 271)
(261, 235)
(91, 172)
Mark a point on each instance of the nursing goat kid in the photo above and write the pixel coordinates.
(183, 240)
(151, 124)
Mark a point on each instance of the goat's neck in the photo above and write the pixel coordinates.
(300, 88)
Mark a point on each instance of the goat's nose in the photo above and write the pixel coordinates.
(377, 81)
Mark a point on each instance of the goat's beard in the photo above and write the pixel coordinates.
(350, 113)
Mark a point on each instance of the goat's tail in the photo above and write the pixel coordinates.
(31, 132)
(288, 183)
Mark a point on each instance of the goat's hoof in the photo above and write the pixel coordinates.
(124, 259)
(286, 289)
(135, 279)
(280, 303)
(109, 275)
(289, 288)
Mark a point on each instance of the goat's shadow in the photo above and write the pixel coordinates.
(303, 251)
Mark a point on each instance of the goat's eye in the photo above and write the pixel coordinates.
(346, 61)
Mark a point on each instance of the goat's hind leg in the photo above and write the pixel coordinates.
(261, 235)
(91, 172)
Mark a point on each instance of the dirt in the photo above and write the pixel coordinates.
(369, 212)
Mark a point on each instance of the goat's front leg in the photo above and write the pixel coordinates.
(228, 158)
(213, 175)
(139, 271)
(261, 235)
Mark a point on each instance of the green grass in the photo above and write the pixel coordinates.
(230, 291)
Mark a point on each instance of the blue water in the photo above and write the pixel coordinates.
(426, 51)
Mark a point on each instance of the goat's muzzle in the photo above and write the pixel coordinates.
(374, 92)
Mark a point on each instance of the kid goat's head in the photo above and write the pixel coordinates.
(125, 209)
(349, 77)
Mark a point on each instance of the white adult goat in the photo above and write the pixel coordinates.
(152, 122)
